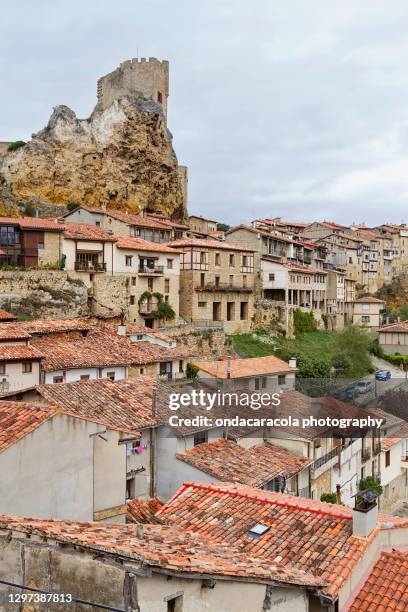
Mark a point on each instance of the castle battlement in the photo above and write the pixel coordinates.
(146, 76)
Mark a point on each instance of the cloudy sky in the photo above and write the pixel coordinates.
(292, 108)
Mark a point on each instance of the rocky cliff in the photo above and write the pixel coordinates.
(121, 157)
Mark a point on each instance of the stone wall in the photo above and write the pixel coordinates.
(43, 294)
(109, 295)
(205, 343)
(270, 315)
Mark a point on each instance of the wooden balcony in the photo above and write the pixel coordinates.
(223, 288)
(89, 266)
(151, 271)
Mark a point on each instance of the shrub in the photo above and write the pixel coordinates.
(192, 371)
(72, 206)
(17, 144)
(329, 498)
(304, 322)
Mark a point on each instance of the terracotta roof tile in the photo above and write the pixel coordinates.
(36, 223)
(17, 419)
(386, 586)
(368, 300)
(400, 327)
(138, 244)
(143, 511)
(7, 316)
(208, 243)
(255, 466)
(308, 535)
(13, 331)
(20, 352)
(239, 368)
(124, 405)
(161, 546)
(85, 231)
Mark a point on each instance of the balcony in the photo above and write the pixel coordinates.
(365, 454)
(223, 287)
(151, 270)
(324, 460)
(377, 448)
(90, 266)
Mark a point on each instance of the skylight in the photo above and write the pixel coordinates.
(257, 530)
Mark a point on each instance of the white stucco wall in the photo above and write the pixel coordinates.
(17, 379)
(75, 374)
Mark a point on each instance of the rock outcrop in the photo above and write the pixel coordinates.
(120, 157)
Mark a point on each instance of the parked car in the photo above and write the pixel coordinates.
(383, 375)
(364, 386)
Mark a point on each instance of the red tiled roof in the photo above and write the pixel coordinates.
(136, 220)
(398, 327)
(308, 535)
(256, 466)
(161, 546)
(143, 510)
(35, 223)
(138, 244)
(208, 243)
(368, 300)
(17, 419)
(124, 405)
(386, 588)
(49, 326)
(20, 352)
(13, 331)
(280, 222)
(85, 231)
(7, 316)
(239, 368)
(135, 328)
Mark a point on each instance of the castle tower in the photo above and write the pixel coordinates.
(150, 77)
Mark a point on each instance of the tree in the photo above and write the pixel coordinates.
(352, 352)
(369, 483)
(223, 227)
(329, 498)
(303, 322)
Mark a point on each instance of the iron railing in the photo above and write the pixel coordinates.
(324, 458)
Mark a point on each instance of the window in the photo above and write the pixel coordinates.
(387, 458)
(150, 284)
(40, 245)
(217, 281)
(217, 259)
(281, 379)
(202, 279)
(170, 264)
(201, 437)
(244, 281)
(141, 371)
(27, 367)
(128, 260)
(231, 280)
(232, 260)
(2, 368)
(181, 368)
(58, 379)
(230, 311)
(260, 383)
(264, 382)
(243, 311)
(132, 300)
(84, 377)
(202, 304)
(175, 603)
(365, 319)
(98, 223)
(159, 97)
(272, 277)
(133, 281)
(166, 285)
(111, 375)
(244, 261)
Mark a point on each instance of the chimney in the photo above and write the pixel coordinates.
(122, 330)
(139, 531)
(365, 513)
(292, 362)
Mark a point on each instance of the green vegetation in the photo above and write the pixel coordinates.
(192, 371)
(24, 317)
(369, 483)
(72, 206)
(252, 345)
(163, 310)
(17, 144)
(304, 322)
(352, 348)
(223, 227)
(329, 498)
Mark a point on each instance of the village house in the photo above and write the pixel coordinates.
(200, 225)
(368, 312)
(87, 250)
(57, 451)
(265, 466)
(290, 530)
(20, 364)
(321, 229)
(119, 223)
(393, 338)
(30, 242)
(154, 271)
(216, 283)
(7, 317)
(268, 373)
(336, 297)
(293, 227)
(145, 567)
(295, 286)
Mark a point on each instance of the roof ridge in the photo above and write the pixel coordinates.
(263, 500)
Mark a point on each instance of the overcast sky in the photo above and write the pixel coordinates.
(292, 108)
